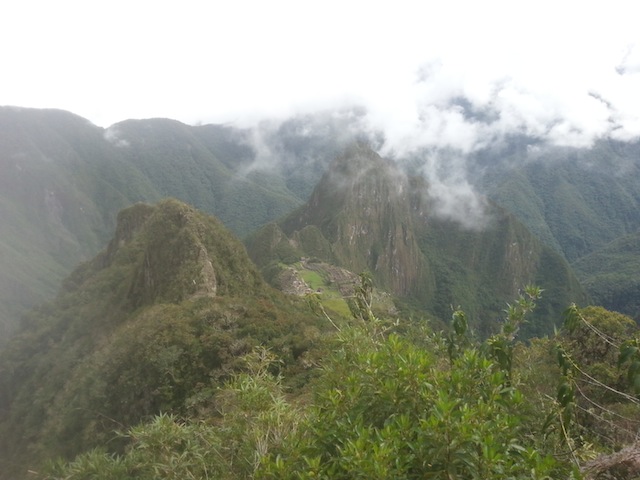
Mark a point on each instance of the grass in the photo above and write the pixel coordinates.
(338, 305)
(313, 279)
(331, 297)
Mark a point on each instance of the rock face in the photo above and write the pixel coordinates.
(367, 215)
(155, 319)
(182, 254)
(361, 208)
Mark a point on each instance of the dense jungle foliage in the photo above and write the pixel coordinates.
(169, 356)
(152, 324)
(64, 181)
(403, 401)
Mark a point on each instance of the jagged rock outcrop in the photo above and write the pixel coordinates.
(367, 215)
(360, 209)
(624, 464)
(150, 325)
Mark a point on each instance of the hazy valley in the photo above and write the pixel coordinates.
(118, 304)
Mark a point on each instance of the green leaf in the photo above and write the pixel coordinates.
(571, 317)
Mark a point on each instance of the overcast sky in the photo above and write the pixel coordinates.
(567, 71)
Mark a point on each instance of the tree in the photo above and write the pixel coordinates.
(387, 407)
(254, 418)
(599, 355)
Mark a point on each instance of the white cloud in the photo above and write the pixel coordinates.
(565, 72)
(113, 135)
(240, 61)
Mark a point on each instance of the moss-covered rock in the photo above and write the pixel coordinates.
(152, 324)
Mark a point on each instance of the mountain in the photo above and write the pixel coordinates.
(207, 167)
(365, 214)
(611, 275)
(361, 207)
(583, 202)
(151, 324)
(574, 199)
(61, 186)
(63, 180)
(160, 316)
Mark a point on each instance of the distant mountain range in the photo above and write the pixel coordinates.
(575, 200)
(157, 299)
(64, 180)
(366, 215)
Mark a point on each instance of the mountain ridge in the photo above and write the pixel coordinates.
(365, 217)
(64, 180)
(382, 222)
(152, 324)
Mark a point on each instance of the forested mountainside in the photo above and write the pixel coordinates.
(206, 167)
(366, 215)
(161, 336)
(64, 180)
(168, 356)
(152, 324)
(574, 199)
(585, 203)
(61, 187)
(612, 275)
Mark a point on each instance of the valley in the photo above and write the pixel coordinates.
(151, 268)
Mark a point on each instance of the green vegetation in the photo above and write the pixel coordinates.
(612, 275)
(365, 215)
(575, 200)
(61, 188)
(253, 419)
(424, 405)
(391, 407)
(203, 168)
(167, 355)
(313, 279)
(153, 324)
(585, 204)
(64, 180)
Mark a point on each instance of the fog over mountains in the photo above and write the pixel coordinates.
(64, 180)
(327, 239)
(365, 214)
(118, 303)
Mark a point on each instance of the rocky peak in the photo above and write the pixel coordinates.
(170, 252)
(361, 206)
(187, 254)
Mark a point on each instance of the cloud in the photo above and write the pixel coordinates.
(460, 203)
(630, 63)
(451, 109)
(438, 77)
(305, 141)
(532, 63)
(450, 195)
(113, 136)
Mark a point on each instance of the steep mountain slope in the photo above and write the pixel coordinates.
(149, 325)
(61, 186)
(366, 215)
(612, 275)
(205, 167)
(585, 203)
(361, 207)
(575, 200)
(63, 181)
